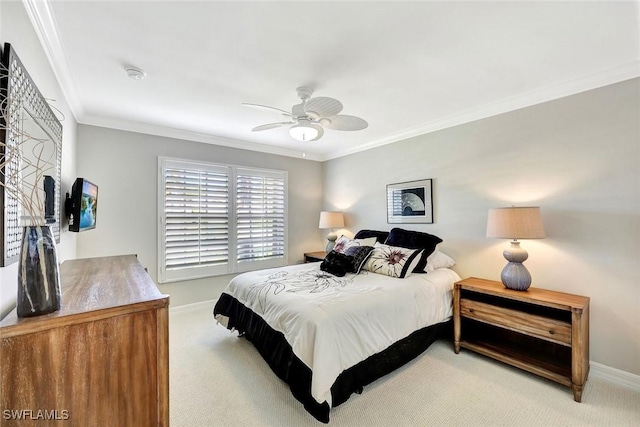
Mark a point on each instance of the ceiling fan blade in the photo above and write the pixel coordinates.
(285, 113)
(320, 133)
(322, 107)
(270, 126)
(344, 122)
(298, 110)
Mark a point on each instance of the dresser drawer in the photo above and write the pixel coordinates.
(545, 328)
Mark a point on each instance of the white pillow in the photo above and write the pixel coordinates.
(438, 260)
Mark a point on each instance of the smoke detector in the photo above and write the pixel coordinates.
(135, 73)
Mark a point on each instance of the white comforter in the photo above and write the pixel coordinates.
(332, 323)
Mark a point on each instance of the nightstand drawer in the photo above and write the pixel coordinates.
(545, 328)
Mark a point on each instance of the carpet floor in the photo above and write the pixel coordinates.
(218, 379)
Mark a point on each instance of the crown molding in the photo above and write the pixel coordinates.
(528, 99)
(549, 93)
(168, 132)
(46, 29)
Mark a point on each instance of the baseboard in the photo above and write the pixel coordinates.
(616, 376)
(188, 308)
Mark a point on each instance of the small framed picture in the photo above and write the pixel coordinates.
(410, 202)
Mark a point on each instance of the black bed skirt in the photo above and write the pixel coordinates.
(277, 352)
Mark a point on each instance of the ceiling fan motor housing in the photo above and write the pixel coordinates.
(304, 92)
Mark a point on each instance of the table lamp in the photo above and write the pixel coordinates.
(331, 220)
(515, 223)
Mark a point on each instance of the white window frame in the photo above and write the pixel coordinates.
(232, 266)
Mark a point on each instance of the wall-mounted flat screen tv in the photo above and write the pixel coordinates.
(84, 205)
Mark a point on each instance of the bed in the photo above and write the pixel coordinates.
(328, 336)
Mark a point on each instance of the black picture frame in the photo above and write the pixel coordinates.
(410, 202)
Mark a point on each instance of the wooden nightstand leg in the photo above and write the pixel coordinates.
(579, 351)
(577, 392)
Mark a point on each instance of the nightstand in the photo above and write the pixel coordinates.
(540, 331)
(314, 256)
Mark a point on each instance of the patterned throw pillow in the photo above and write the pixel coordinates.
(392, 260)
(359, 255)
(341, 244)
(344, 243)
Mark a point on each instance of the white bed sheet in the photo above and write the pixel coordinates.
(333, 323)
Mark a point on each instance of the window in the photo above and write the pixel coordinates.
(219, 219)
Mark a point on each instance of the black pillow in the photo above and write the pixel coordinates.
(381, 236)
(414, 240)
(337, 264)
(359, 255)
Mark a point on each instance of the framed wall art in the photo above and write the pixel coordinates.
(410, 202)
(30, 149)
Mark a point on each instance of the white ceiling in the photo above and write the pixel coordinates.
(405, 67)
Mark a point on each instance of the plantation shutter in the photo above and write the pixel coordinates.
(260, 217)
(219, 219)
(196, 220)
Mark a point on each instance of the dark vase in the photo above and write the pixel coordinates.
(38, 273)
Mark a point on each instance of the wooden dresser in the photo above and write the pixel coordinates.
(102, 360)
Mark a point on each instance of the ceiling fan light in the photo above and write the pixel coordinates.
(303, 132)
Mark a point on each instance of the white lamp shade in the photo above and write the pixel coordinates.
(331, 220)
(515, 223)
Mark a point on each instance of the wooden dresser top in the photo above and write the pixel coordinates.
(94, 287)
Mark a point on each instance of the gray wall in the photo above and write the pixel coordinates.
(125, 167)
(16, 29)
(578, 158)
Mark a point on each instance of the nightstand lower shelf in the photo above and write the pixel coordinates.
(520, 359)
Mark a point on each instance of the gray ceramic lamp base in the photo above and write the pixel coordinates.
(515, 275)
(331, 237)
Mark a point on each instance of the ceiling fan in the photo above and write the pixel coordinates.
(308, 119)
